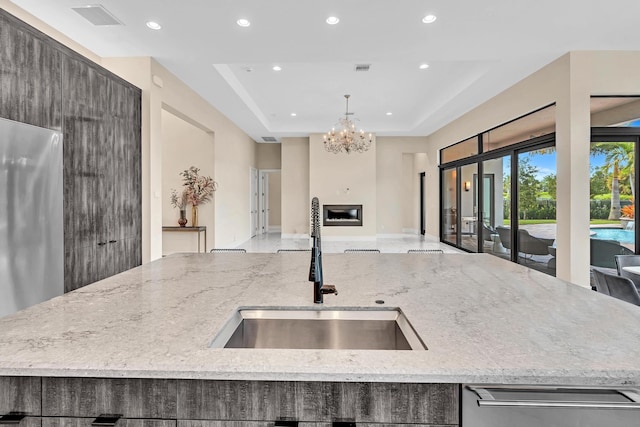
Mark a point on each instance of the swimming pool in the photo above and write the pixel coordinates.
(618, 234)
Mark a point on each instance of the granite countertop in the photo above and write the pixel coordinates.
(484, 320)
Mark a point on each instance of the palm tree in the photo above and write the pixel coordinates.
(619, 156)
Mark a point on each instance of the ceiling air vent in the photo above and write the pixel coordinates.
(269, 139)
(97, 15)
(362, 67)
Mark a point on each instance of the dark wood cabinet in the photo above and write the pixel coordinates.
(77, 402)
(46, 84)
(30, 66)
(20, 394)
(388, 403)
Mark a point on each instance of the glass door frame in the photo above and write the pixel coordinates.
(623, 134)
(544, 141)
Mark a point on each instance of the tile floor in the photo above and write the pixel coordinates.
(271, 242)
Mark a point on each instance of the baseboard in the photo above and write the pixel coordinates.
(294, 236)
(391, 236)
(349, 238)
(411, 231)
(274, 229)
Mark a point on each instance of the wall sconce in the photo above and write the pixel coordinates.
(467, 185)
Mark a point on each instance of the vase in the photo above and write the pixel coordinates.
(194, 216)
(183, 218)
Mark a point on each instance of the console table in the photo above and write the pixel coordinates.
(198, 230)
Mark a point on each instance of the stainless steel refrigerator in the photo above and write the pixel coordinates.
(31, 239)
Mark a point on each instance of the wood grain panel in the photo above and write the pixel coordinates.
(30, 76)
(86, 422)
(20, 394)
(316, 401)
(81, 129)
(90, 397)
(80, 267)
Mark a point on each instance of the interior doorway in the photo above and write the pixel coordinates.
(270, 200)
(253, 202)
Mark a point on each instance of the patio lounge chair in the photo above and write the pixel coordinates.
(527, 244)
(532, 245)
(603, 253)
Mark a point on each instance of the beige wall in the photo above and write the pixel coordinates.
(269, 156)
(396, 182)
(295, 187)
(234, 152)
(183, 146)
(344, 179)
(275, 200)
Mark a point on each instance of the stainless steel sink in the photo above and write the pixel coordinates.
(312, 328)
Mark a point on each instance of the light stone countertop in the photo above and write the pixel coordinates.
(484, 320)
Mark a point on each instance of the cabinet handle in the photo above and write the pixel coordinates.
(112, 241)
(12, 418)
(102, 243)
(106, 420)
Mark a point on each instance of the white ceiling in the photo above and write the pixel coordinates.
(475, 50)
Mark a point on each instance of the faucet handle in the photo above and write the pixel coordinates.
(329, 289)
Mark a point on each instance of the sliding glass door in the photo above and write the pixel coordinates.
(536, 209)
(613, 187)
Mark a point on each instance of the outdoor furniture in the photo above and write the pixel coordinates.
(505, 236)
(527, 244)
(623, 261)
(532, 245)
(616, 286)
(603, 253)
(599, 282)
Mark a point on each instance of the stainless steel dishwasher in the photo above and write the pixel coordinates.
(545, 406)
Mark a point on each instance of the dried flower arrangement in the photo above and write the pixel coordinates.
(198, 189)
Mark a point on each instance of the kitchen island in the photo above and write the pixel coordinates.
(484, 321)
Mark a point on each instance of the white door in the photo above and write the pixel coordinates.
(264, 202)
(253, 203)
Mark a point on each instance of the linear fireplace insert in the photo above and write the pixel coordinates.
(342, 215)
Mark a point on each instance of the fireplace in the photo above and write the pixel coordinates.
(342, 215)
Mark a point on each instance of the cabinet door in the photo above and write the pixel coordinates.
(90, 397)
(124, 104)
(31, 68)
(20, 394)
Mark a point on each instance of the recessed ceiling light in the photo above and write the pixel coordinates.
(293, 114)
(332, 20)
(389, 113)
(429, 19)
(153, 25)
(424, 66)
(277, 68)
(243, 22)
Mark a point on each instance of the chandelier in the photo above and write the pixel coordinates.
(346, 139)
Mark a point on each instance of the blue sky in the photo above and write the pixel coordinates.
(546, 163)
